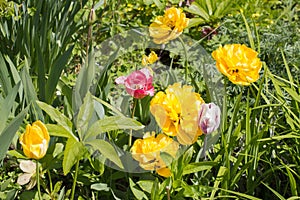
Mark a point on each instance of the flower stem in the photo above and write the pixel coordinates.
(74, 180)
(38, 179)
(168, 193)
(50, 181)
(132, 116)
(186, 59)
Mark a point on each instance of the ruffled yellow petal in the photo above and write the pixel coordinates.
(176, 112)
(147, 151)
(168, 27)
(238, 62)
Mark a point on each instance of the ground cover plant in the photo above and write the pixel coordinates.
(149, 99)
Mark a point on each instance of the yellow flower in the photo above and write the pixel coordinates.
(152, 58)
(35, 140)
(169, 26)
(176, 112)
(238, 62)
(147, 152)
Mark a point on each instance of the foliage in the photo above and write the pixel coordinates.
(59, 61)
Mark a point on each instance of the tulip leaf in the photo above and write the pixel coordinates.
(116, 111)
(196, 21)
(55, 115)
(110, 124)
(74, 151)
(137, 193)
(9, 132)
(146, 185)
(199, 166)
(84, 81)
(55, 72)
(107, 150)
(85, 114)
(158, 4)
(6, 105)
(5, 81)
(197, 9)
(59, 131)
(30, 92)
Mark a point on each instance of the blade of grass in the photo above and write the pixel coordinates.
(274, 191)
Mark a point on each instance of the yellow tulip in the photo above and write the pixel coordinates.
(35, 140)
(169, 26)
(176, 112)
(147, 152)
(238, 62)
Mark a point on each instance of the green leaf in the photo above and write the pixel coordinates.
(17, 154)
(5, 81)
(97, 162)
(9, 132)
(107, 150)
(6, 105)
(158, 4)
(116, 111)
(167, 158)
(41, 77)
(61, 194)
(199, 166)
(57, 187)
(59, 131)
(241, 194)
(146, 185)
(55, 73)
(74, 151)
(84, 81)
(293, 93)
(15, 74)
(209, 7)
(222, 171)
(85, 114)
(196, 21)
(110, 124)
(57, 116)
(137, 193)
(30, 94)
(197, 9)
(155, 188)
(250, 37)
(293, 183)
(100, 187)
(222, 8)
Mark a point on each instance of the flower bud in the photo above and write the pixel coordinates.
(209, 118)
(35, 140)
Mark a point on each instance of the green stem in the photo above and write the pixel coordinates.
(186, 59)
(168, 193)
(74, 180)
(38, 179)
(132, 116)
(50, 181)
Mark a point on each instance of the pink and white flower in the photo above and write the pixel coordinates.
(209, 118)
(138, 84)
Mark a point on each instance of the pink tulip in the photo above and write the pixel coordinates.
(209, 117)
(138, 84)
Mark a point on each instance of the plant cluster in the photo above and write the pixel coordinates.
(152, 99)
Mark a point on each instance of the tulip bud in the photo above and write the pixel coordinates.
(209, 118)
(92, 16)
(35, 140)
